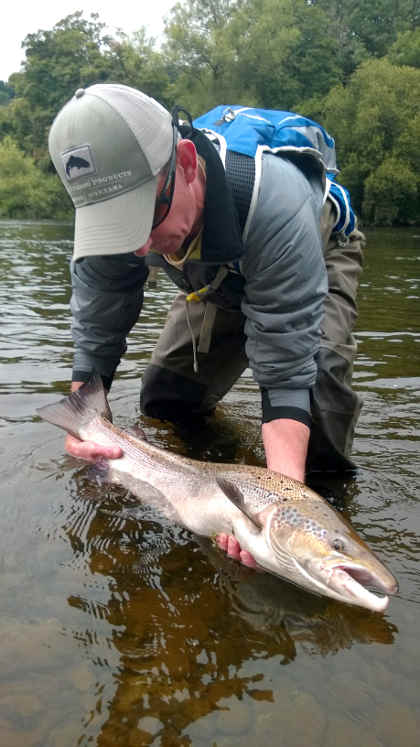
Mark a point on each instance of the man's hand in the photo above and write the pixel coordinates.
(88, 450)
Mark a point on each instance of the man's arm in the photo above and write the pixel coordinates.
(286, 446)
(107, 297)
(106, 302)
(286, 283)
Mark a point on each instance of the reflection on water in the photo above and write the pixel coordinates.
(117, 628)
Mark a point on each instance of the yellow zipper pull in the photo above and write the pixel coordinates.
(198, 295)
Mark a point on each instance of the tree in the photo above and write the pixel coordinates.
(59, 61)
(271, 53)
(368, 29)
(135, 62)
(283, 52)
(25, 192)
(375, 120)
(406, 49)
(199, 55)
(6, 92)
(391, 193)
(74, 54)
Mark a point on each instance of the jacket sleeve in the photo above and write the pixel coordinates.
(286, 283)
(107, 296)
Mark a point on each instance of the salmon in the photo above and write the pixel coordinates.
(289, 529)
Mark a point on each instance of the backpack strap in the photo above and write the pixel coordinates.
(240, 175)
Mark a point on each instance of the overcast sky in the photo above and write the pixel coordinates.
(22, 17)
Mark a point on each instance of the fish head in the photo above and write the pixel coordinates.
(294, 533)
(312, 545)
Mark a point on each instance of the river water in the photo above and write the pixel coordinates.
(118, 629)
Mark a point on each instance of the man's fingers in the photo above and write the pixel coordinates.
(229, 544)
(233, 548)
(90, 451)
(247, 559)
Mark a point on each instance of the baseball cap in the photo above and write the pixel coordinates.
(108, 145)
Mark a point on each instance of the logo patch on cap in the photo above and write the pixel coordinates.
(78, 162)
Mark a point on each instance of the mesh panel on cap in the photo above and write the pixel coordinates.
(149, 121)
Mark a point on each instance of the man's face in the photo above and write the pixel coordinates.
(169, 236)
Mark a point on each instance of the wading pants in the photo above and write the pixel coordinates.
(171, 390)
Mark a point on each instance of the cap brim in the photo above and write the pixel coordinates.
(116, 226)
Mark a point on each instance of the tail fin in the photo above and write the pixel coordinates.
(74, 411)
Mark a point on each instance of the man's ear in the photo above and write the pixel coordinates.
(186, 156)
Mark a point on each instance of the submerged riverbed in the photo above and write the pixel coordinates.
(119, 629)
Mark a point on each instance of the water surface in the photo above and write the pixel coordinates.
(119, 629)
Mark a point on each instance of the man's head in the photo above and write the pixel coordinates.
(109, 144)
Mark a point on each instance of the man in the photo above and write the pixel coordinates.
(265, 298)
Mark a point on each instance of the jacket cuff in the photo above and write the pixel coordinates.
(84, 376)
(292, 404)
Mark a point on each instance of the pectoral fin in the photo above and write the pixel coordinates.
(232, 492)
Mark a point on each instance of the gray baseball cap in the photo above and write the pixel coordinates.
(108, 144)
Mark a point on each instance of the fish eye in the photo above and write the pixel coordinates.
(337, 543)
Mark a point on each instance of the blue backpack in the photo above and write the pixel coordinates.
(251, 131)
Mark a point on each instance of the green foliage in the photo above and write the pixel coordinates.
(58, 62)
(6, 93)
(134, 61)
(283, 53)
(61, 60)
(270, 53)
(375, 120)
(406, 49)
(369, 28)
(350, 64)
(25, 192)
(391, 193)
(74, 54)
(199, 54)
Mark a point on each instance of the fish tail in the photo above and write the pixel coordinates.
(79, 408)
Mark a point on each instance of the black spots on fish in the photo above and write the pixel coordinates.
(338, 543)
(312, 527)
(285, 498)
(265, 478)
(291, 516)
(288, 515)
(274, 498)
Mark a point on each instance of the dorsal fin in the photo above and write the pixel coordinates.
(232, 492)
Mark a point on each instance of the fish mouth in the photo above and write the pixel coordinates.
(350, 583)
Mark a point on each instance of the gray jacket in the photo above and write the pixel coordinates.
(280, 288)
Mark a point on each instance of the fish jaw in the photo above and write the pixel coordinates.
(339, 582)
(347, 582)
